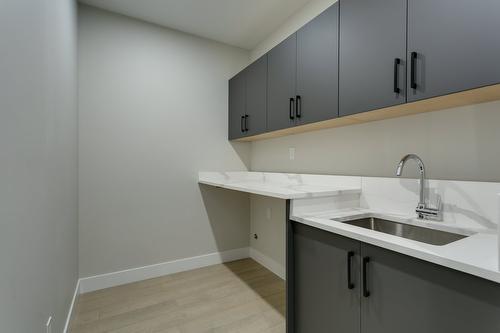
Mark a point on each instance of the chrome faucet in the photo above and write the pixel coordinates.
(423, 211)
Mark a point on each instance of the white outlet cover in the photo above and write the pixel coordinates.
(291, 152)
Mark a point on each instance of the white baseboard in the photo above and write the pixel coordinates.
(71, 306)
(268, 263)
(113, 279)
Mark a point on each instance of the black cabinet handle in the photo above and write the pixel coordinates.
(291, 106)
(242, 126)
(298, 108)
(350, 255)
(366, 292)
(397, 61)
(413, 73)
(246, 123)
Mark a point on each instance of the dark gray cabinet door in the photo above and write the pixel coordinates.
(456, 44)
(236, 106)
(413, 296)
(372, 37)
(323, 302)
(256, 96)
(282, 62)
(317, 68)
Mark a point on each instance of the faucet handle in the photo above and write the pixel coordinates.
(429, 213)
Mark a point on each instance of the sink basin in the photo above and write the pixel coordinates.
(416, 233)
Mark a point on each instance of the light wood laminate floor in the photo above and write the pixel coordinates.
(240, 296)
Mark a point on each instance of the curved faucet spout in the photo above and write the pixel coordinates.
(408, 157)
(421, 204)
(423, 211)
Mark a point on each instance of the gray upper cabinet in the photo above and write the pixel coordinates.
(455, 46)
(236, 106)
(365, 55)
(372, 55)
(325, 300)
(248, 100)
(282, 61)
(413, 296)
(317, 68)
(256, 97)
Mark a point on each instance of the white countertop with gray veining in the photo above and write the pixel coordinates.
(280, 185)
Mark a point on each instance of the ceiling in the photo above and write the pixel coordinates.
(242, 23)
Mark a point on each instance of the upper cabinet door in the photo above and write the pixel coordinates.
(317, 68)
(282, 62)
(372, 54)
(237, 106)
(256, 96)
(455, 46)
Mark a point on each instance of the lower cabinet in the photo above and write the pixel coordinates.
(326, 298)
(383, 291)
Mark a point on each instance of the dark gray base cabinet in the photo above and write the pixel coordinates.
(403, 294)
(323, 301)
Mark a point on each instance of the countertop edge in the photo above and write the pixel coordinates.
(305, 195)
(484, 273)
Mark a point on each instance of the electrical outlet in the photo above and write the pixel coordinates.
(291, 152)
(48, 325)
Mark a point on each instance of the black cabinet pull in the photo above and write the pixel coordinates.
(242, 127)
(291, 106)
(350, 255)
(366, 292)
(246, 123)
(413, 73)
(397, 61)
(298, 108)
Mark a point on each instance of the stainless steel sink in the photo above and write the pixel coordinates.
(420, 234)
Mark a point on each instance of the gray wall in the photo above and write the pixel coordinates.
(455, 144)
(153, 112)
(38, 169)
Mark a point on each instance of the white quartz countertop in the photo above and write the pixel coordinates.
(281, 185)
(469, 208)
(476, 254)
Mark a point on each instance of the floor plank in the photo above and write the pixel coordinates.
(240, 296)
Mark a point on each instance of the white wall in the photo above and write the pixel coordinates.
(267, 221)
(153, 112)
(38, 169)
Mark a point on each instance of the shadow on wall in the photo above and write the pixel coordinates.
(242, 149)
(228, 213)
